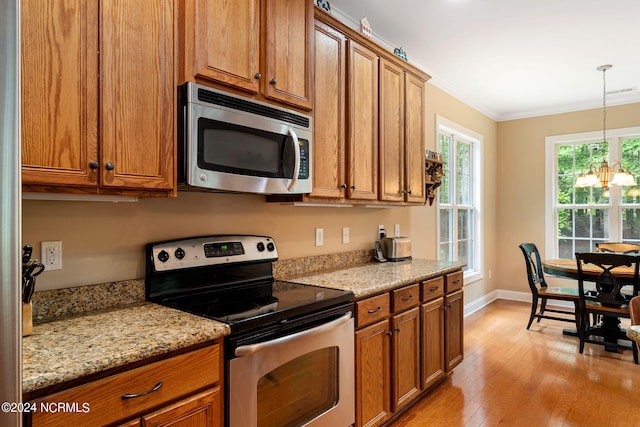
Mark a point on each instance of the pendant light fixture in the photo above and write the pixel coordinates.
(605, 175)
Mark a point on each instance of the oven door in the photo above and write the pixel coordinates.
(305, 378)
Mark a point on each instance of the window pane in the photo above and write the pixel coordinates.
(565, 248)
(445, 189)
(463, 161)
(446, 234)
(565, 222)
(630, 224)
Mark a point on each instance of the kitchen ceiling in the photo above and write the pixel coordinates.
(512, 59)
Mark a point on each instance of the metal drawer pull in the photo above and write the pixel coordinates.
(409, 298)
(433, 289)
(370, 311)
(133, 396)
(245, 350)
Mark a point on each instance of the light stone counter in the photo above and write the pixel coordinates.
(375, 278)
(72, 348)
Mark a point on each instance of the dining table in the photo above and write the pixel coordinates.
(568, 269)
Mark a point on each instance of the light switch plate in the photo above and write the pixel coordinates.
(319, 236)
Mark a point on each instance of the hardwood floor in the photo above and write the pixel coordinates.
(517, 377)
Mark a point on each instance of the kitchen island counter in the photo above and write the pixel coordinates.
(376, 278)
(72, 348)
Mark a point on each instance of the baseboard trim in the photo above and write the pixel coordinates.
(492, 296)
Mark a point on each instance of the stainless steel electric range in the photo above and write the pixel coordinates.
(284, 335)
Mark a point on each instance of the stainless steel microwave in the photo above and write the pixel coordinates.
(232, 143)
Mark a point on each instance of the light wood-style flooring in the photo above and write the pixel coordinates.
(512, 376)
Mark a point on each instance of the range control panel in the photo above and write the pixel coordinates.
(212, 250)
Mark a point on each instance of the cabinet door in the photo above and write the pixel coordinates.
(454, 330)
(432, 342)
(373, 386)
(224, 41)
(391, 132)
(138, 94)
(414, 139)
(329, 174)
(59, 71)
(200, 410)
(406, 357)
(289, 51)
(362, 122)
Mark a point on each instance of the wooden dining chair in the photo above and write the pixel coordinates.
(541, 292)
(606, 301)
(618, 247)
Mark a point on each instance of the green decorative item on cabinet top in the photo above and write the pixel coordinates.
(400, 53)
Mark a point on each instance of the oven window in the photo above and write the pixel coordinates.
(300, 390)
(236, 149)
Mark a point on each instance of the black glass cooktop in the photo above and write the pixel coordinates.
(259, 305)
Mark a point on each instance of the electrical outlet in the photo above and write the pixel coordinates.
(396, 230)
(381, 232)
(319, 236)
(345, 235)
(51, 255)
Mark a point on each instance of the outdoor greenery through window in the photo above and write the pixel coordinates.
(585, 216)
(458, 198)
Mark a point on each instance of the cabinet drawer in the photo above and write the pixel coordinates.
(432, 288)
(372, 309)
(101, 402)
(406, 297)
(453, 282)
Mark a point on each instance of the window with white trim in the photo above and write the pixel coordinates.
(578, 218)
(459, 214)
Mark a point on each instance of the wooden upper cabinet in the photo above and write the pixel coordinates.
(263, 48)
(59, 71)
(329, 174)
(137, 94)
(227, 41)
(289, 48)
(362, 119)
(392, 148)
(98, 107)
(415, 99)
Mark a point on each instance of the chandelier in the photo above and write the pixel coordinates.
(604, 174)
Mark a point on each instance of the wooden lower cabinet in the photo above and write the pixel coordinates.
(183, 390)
(454, 341)
(432, 342)
(406, 357)
(373, 382)
(406, 341)
(387, 355)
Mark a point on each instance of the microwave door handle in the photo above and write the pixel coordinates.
(296, 166)
(246, 350)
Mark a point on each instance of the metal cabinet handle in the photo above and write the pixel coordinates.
(389, 333)
(397, 329)
(273, 81)
(343, 186)
(296, 165)
(409, 298)
(109, 166)
(133, 396)
(353, 187)
(94, 164)
(433, 289)
(409, 191)
(371, 311)
(258, 76)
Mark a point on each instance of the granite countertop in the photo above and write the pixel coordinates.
(72, 348)
(379, 277)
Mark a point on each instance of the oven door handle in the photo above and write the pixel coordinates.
(245, 350)
(296, 165)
